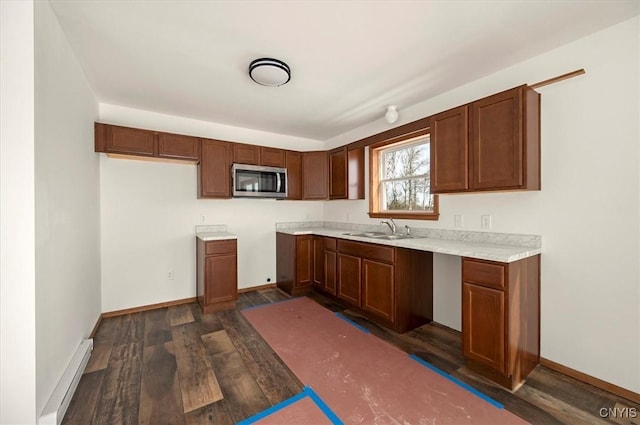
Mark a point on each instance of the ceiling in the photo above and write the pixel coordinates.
(348, 59)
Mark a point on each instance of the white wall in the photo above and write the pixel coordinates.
(587, 212)
(17, 222)
(150, 210)
(67, 200)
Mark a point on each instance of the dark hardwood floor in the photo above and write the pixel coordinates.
(177, 366)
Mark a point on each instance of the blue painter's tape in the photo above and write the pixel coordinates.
(458, 382)
(323, 406)
(306, 392)
(351, 322)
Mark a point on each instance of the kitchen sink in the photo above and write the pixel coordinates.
(378, 235)
(366, 234)
(393, 237)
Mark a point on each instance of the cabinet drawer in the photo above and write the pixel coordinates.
(330, 244)
(484, 273)
(220, 247)
(366, 250)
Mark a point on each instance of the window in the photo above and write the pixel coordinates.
(400, 179)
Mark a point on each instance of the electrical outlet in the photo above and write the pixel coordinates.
(203, 219)
(458, 220)
(170, 275)
(485, 221)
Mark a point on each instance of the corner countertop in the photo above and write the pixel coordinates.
(502, 247)
(216, 232)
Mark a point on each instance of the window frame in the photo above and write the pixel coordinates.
(374, 179)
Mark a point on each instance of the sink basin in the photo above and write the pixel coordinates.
(393, 237)
(378, 235)
(366, 234)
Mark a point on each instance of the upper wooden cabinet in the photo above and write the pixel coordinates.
(338, 173)
(246, 154)
(139, 142)
(258, 155)
(272, 157)
(293, 164)
(450, 150)
(346, 173)
(177, 146)
(124, 140)
(314, 175)
(214, 171)
(490, 144)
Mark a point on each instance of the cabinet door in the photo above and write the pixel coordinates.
(304, 261)
(214, 171)
(483, 325)
(330, 271)
(450, 151)
(272, 157)
(131, 141)
(497, 149)
(221, 279)
(246, 154)
(314, 175)
(355, 173)
(178, 146)
(349, 278)
(378, 295)
(338, 173)
(293, 163)
(318, 261)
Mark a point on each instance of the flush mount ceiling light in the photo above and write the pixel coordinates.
(269, 72)
(391, 115)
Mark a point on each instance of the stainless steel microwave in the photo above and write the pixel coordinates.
(258, 182)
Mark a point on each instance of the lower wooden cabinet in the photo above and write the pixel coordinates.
(294, 263)
(484, 336)
(501, 318)
(391, 286)
(349, 278)
(378, 289)
(217, 276)
(318, 279)
(330, 266)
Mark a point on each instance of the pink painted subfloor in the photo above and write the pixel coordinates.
(362, 378)
(302, 412)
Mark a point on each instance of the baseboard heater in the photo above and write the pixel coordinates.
(59, 402)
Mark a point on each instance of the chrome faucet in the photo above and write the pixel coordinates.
(391, 224)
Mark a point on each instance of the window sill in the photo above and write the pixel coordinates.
(409, 215)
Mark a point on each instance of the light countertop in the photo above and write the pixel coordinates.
(215, 232)
(483, 250)
(215, 236)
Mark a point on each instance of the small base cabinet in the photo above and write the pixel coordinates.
(294, 262)
(217, 275)
(501, 318)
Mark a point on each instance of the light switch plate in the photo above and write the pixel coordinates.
(458, 220)
(485, 221)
